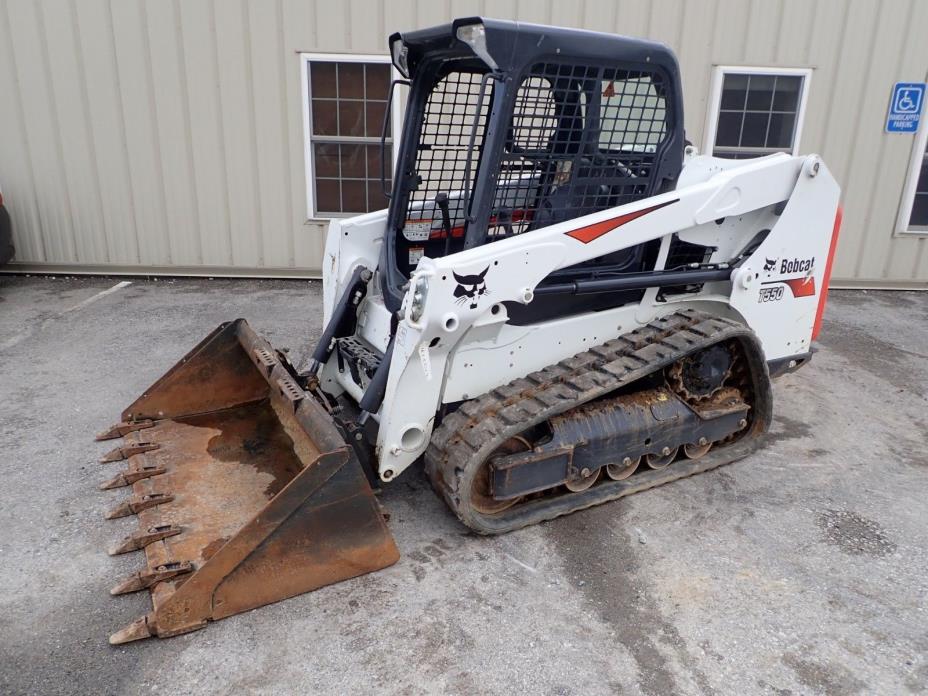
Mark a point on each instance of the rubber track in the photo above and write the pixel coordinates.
(469, 435)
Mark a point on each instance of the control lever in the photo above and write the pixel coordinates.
(441, 200)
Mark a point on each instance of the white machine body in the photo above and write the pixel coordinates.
(453, 341)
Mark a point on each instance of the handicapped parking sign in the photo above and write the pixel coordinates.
(905, 107)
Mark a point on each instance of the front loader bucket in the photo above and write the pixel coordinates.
(244, 490)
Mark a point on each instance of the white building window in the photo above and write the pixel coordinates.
(913, 213)
(756, 111)
(344, 105)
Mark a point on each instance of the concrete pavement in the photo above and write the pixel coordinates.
(800, 570)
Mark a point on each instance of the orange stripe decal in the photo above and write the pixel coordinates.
(598, 229)
(801, 287)
(826, 279)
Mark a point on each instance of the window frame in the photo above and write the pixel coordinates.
(907, 202)
(715, 98)
(395, 117)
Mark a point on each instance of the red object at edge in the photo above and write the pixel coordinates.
(817, 327)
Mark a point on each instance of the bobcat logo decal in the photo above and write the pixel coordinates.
(470, 288)
(770, 265)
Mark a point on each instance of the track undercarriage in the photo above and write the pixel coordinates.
(687, 393)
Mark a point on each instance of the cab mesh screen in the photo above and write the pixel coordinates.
(582, 139)
(445, 157)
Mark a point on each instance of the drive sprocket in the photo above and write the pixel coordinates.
(699, 376)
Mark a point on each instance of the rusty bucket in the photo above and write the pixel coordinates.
(244, 490)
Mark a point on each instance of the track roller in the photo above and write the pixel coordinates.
(698, 449)
(621, 471)
(587, 479)
(662, 460)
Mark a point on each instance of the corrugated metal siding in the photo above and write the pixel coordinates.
(166, 135)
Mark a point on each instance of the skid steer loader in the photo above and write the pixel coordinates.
(563, 304)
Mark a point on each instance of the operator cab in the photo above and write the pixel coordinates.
(511, 127)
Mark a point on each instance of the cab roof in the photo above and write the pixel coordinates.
(513, 45)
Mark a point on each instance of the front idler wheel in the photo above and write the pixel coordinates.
(481, 499)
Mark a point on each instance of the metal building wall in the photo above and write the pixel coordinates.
(166, 135)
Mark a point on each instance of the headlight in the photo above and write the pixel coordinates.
(475, 36)
(400, 53)
(472, 33)
(420, 293)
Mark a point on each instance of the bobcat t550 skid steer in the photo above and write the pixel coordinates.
(563, 305)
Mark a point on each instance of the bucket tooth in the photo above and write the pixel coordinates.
(124, 428)
(143, 537)
(133, 474)
(146, 578)
(117, 454)
(137, 503)
(137, 630)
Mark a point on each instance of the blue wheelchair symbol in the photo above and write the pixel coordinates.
(905, 107)
(906, 103)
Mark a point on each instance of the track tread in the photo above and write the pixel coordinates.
(467, 436)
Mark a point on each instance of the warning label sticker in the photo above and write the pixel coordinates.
(417, 230)
(415, 253)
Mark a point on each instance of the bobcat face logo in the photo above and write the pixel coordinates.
(470, 288)
(770, 265)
